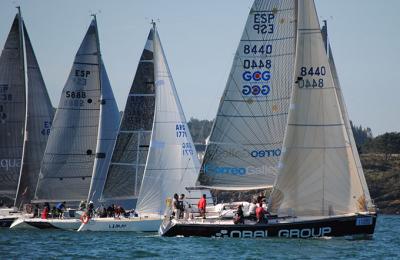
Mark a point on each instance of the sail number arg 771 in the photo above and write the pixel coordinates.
(311, 72)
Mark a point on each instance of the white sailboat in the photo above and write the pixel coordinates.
(82, 137)
(172, 162)
(25, 112)
(320, 189)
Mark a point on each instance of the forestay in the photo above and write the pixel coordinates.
(129, 157)
(12, 111)
(172, 162)
(246, 139)
(68, 161)
(39, 117)
(318, 174)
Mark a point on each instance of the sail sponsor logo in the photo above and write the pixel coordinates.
(239, 171)
(213, 169)
(10, 163)
(266, 153)
(287, 233)
(256, 76)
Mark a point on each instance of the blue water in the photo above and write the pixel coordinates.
(72, 245)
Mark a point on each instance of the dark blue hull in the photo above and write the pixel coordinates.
(362, 226)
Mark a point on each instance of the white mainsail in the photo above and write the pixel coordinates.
(39, 116)
(129, 157)
(172, 162)
(12, 111)
(68, 162)
(246, 139)
(318, 174)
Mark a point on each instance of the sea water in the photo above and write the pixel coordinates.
(57, 244)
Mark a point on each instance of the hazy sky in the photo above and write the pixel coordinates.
(200, 39)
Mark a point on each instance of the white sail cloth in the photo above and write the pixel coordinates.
(246, 139)
(67, 166)
(318, 174)
(172, 162)
(107, 136)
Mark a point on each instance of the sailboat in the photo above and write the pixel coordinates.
(320, 189)
(82, 137)
(171, 163)
(26, 115)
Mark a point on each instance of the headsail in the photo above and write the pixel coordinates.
(346, 119)
(39, 117)
(107, 134)
(245, 143)
(318, 174)
(129, 157)
(12, 111)
(67, 165)
(172, 162)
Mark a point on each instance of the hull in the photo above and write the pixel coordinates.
(37, 223)
(6, 221)
(122, 225)
(361, 226)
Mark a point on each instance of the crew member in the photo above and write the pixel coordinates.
(202, 206)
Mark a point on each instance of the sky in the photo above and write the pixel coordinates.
(200, 39)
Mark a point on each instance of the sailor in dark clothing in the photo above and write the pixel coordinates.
(90, 210)
(60, 209)
(239, 217)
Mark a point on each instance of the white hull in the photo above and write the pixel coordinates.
(38, 223)
(135, 224)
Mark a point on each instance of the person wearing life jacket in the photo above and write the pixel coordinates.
(201, 205)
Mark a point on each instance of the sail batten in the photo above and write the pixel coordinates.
(246, 138)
